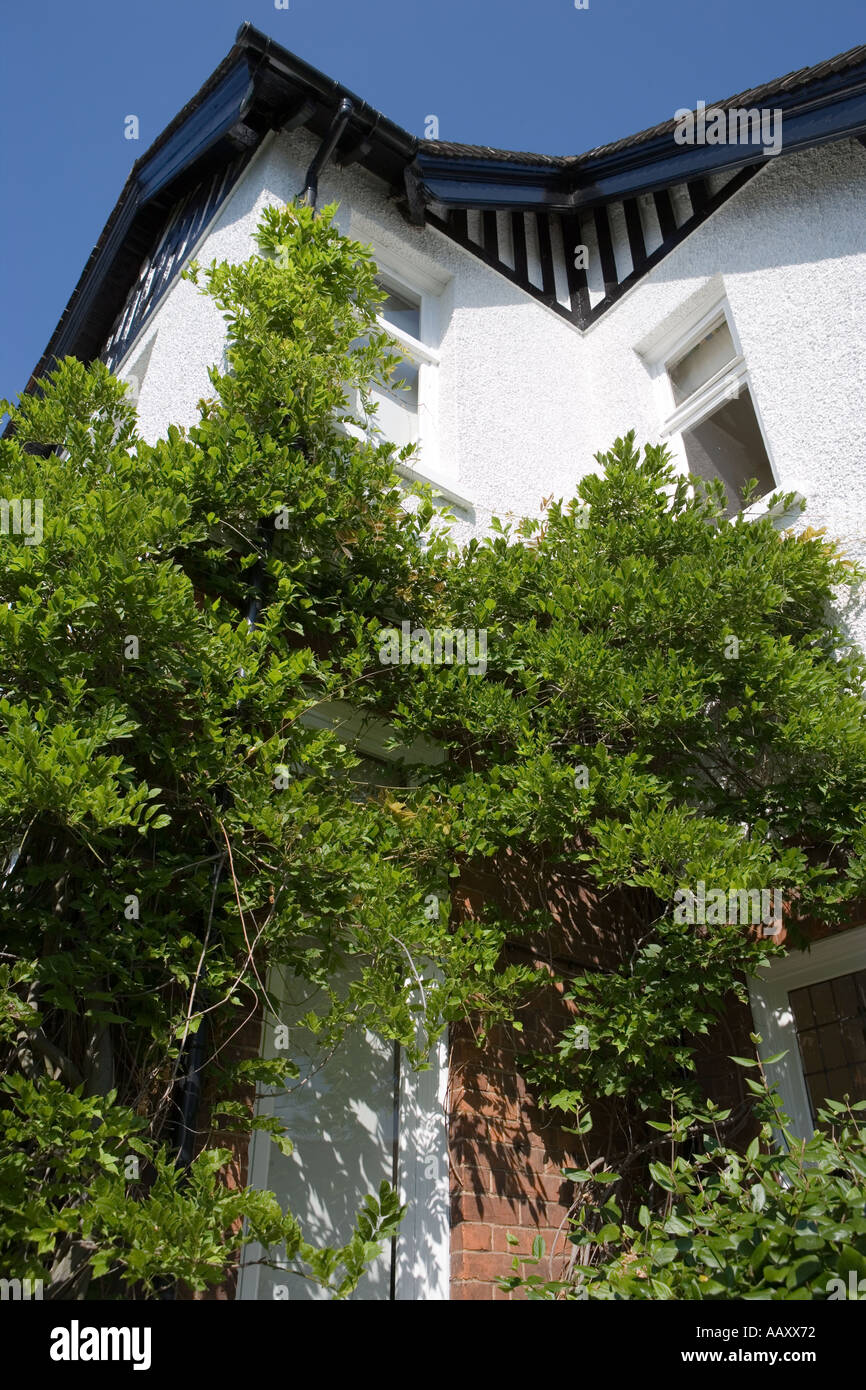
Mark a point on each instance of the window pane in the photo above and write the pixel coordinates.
(401, 312)
(702, 361)
(397, 413)
(801, 1008)
(404, 384)
(830, 1018)
(823, 1003)
(854, 1037)
(728, 445)
(810, 1051)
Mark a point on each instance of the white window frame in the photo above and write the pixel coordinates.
(664, 349)
(774, 1019)
(727, 382)
(424, 291)
(417, 349)
(428, 282)
(424, 358)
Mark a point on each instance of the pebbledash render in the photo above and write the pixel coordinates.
(706, 293)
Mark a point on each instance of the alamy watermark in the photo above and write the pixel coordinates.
(710, 125)
(21, 1289)
(836, 1288)
(22, 516)
(738, 906)
(443, 646)
(77, 1343)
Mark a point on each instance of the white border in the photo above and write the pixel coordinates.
(774, 1020)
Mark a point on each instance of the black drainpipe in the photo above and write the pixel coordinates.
(338, 124)
(195, 1050)
(195, 1053)
(191, 1095)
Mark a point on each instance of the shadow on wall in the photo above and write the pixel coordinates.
(775, 229)
(340, 1116)
(507, 1152)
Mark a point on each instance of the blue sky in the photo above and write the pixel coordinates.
(520, 74)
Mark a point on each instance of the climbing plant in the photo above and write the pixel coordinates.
(183, 808)
(176, 815)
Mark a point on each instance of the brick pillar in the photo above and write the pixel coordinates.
(506, 1161)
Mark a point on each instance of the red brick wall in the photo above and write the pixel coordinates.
(506, 1158)
(244, 1044)
(506, 1153)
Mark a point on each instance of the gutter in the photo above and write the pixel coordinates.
(820, 112)
(330, 92)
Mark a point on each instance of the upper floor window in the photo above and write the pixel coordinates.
(398, 408)
(712, 419)
(401, 311)
(406, 407)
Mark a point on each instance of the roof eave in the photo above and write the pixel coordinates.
(832, 109)
(258, 86)
(261, 86)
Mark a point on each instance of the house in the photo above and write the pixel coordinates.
(702, 282)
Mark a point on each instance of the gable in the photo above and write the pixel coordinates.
(621, 240)
(629, 204)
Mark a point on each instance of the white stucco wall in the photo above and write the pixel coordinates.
(789, 253)
(525, 400)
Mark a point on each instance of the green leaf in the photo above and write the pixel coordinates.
(662, 1176)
